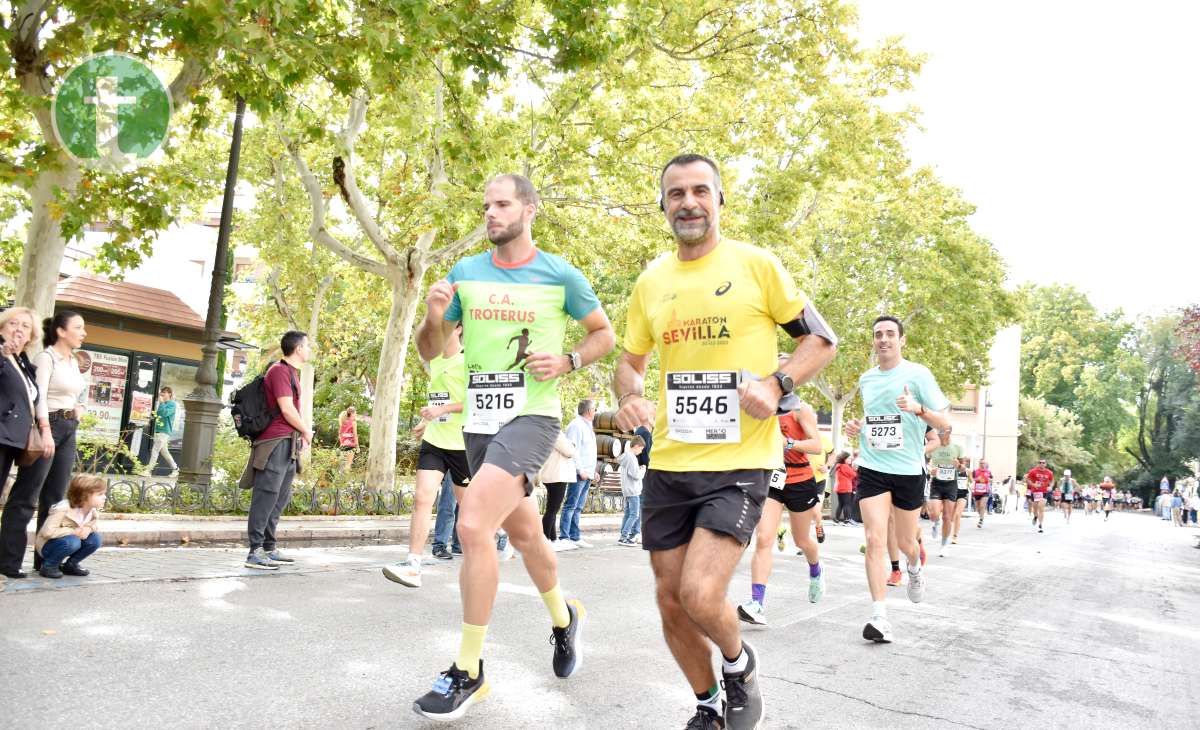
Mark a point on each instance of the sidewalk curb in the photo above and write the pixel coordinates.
(234, 531)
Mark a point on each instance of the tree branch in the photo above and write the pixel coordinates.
(319, 301)
(281, 304)
(188, 79)
(456, 249)
(354, 198)
(317, 230)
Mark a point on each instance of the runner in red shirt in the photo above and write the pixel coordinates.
(982, 487)
(1037, 483)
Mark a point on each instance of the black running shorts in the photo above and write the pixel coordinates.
(798, 497)
(521, 446)
(947, 490)
(961, 494)
(907, 490)
(435, 458)
(674, 504)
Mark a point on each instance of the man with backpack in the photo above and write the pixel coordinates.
(275, 450)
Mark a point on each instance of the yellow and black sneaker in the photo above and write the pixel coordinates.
(452, 695)
(568, 641)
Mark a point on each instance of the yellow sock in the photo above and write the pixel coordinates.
(470, 649)
(557, 606)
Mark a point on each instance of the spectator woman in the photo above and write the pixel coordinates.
(846, 476)
(557, 474)
(348, 436)
(19, 399)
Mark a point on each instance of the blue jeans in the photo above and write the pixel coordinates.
(632, 524)
(70, 548)
(568, 525)
(447, 517)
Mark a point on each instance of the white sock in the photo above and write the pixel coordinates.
(414, 560)
(914, 568)
(738, 664)
(879, 609)
(713, 703)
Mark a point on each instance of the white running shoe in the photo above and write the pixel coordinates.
(945, 550)
(933, 531)
(582, 543)
(752, 612)
(564, 544)
(508, 553)
(816, 587)
(916, 586)
(878, 630)
(406, 574)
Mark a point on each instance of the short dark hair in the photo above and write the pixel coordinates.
(82, 486)
(166, 389)
(522, 185)
(51, 325)
(585, 405)
(291, 340)
(888, 318)
(687, 159)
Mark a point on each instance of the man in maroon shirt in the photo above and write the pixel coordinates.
(275, 453)
(1037, 483)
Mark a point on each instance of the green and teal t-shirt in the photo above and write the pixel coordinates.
(891, 441)
(447, 384)
(943, 462)
(510, 311)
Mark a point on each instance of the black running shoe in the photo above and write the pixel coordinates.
(706, 719)
(568, 649)
(441, 553)
(743, 695)
(452, 695)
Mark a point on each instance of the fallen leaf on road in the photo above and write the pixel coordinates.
(49, 632)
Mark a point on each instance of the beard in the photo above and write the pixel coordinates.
(506, 234)
(691, 233)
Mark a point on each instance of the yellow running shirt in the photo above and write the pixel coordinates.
(709, 318)
(447, 384)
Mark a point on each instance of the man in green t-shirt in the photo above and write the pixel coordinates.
(514, 294)
(943, 486)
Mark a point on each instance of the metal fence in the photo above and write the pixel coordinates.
(127, 494)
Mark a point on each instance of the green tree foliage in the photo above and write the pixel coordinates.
(1167, 434)
(1074, 357)
(1051, 433)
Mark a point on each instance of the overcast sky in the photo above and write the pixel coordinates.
(1073, 128)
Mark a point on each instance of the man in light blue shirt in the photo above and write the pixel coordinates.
(579, 433)
(900, 398)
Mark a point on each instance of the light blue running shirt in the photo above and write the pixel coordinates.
(899, 443)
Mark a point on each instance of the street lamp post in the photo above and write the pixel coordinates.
(987, 403)
(203, 404)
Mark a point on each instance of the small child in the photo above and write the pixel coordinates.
(69, 534)
(631, 488)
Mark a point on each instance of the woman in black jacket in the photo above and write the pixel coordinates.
(18, 400)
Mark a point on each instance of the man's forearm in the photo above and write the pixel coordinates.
(810, 357)
(626, 379)
(595, 345)
(430, 339)
(937, 419)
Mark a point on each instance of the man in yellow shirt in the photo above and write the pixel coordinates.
(710, 309)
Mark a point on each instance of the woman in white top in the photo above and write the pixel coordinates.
(19, 398)
(44, 482)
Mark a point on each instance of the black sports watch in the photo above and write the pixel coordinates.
(785, 381)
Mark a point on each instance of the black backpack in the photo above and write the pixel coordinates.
(249, 407)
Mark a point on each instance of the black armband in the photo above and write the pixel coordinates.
(810, 322)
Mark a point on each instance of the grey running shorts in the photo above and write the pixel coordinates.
(521, 446)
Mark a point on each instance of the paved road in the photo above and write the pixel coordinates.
(1086, 626)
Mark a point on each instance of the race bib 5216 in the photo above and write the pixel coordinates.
(493, 399)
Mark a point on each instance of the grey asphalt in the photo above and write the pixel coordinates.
(1090, 625)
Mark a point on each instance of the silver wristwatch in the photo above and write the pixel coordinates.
(576, 360)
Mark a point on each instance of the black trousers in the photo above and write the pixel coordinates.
(38, 486)
(844, 502)
(555, 491)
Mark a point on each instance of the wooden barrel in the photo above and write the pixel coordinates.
(605, 422)
(608, 446)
